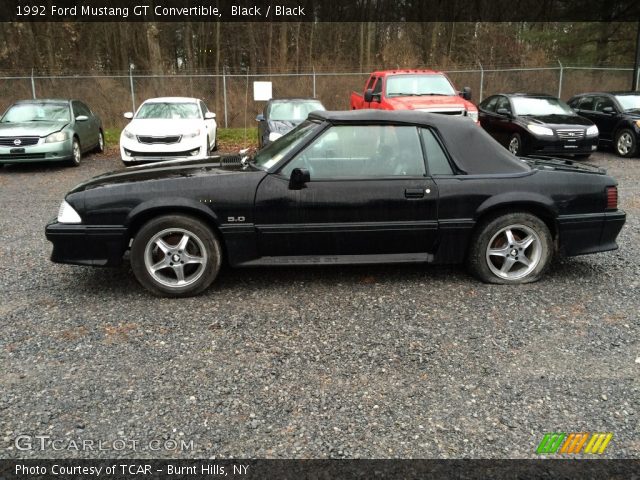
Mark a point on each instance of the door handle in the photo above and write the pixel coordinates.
(414, 193)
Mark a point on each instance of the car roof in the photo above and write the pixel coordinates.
(622, 92)
(46, 100)
(472, 148)
(172, 100)
(528, 95)
(295, 100)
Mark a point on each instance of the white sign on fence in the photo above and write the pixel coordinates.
(262, 91)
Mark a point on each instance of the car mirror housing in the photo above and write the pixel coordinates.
(608, 110)
(503, 111)
(260, 118)
(466, 93)
(209, 116)
(299, 177)
(128, 115)
(82, 118)
(368, 95)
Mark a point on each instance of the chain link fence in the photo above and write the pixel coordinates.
(231, 95)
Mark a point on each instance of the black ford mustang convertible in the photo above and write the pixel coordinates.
(359, 187)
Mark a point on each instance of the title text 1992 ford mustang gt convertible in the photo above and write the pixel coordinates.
(343, 187)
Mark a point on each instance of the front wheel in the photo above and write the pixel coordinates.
(625, 143)
(175, 256)
(515, 145)
(76, 153)
(511, 249)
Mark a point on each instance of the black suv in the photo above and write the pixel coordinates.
(617, 115)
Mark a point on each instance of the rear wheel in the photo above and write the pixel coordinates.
(625, 143)
(100, 146)
(511, 249)
(515, 144)
(175, 256)
(76, 153)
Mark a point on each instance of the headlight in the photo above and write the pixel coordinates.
(57, 137)
(592, 130)
(192, 134)
(128, 134)
(637, 122)
(274, 136)
(538, 130)
(473, 115)
(66, 214)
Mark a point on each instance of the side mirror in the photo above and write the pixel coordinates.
(260, 118)
(608, 110)
(209, 116)
(299, 176)
(128, 115)
(82, 118)
(368, 95)
(503, 111)
(466, 93)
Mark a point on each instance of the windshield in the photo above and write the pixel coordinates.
(172, 111)
(629, 102)
(292, 111)
(276, 151)
(540, 106)
(400, 85)
(37, 112)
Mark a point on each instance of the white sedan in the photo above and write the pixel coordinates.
(168, 128)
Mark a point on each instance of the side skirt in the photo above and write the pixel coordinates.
(339, 259)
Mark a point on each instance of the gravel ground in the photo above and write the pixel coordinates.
(384, 361)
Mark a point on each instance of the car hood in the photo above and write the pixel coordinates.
(162, 126)
(633, 114)
(30, 129)
(218, 165)
(427, 102)
(283, 126)
(559, 120)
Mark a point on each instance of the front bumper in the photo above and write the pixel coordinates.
(590, 233)
(42, 152)
(87, 244)
(559, 146)
(133, 151)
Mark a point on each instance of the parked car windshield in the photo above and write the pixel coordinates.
(629, 102)
(401, 85)
(292, 111)
(276, 151)
(172, 111)
(37, 112)
(540, 106)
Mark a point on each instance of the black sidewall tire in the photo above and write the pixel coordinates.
(206, 235)
(100, 149)
(518, 137)
(73, 162)
(634, 143)
(477, 261)
(208, 148)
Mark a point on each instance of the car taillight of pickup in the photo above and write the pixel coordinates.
(422, 90)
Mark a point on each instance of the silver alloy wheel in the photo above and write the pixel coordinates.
(77, 154)
(175, 257)
(514, 145)
(514, 252)
(625, 143)
(101, 141)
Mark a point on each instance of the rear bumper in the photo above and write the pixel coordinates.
(590, 233)
(86, 244)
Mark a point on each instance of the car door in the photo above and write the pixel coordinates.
(605, 116)
(502, 123)
(83, 127)
(487, 114)
(368, 194)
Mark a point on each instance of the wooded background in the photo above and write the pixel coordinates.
(73, 48)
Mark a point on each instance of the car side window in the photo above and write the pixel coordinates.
(359, 151)
(203, 108)
(601, 103)
(503, 102)
(377, 89)
(80, 109)
(436, 158)
(371, 83)
(490, 104)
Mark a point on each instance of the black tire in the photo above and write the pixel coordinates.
(100, 147)
(521, 224)
(208, 147)
(76, 155)
(215, 145)
(515, 145)
(170, 230)
(625, 143)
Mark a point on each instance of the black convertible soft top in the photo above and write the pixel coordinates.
(474, 150)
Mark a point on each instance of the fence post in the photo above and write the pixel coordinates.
(481, 81)
(224, 96)
(560, 80)
(33, 85)
(133, 96)
(314, 81)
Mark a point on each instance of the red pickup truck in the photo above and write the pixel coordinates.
(424, 90)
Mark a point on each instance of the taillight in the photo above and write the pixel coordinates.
(612, 198)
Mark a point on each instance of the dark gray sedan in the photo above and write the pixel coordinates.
(49, 130)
